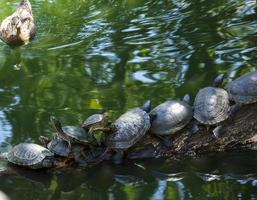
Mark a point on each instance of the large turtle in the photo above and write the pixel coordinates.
(30, 155)
(211, 105)
(97, 122)
(129, 128)
(72, 134)
(243, 90)
(170, 117)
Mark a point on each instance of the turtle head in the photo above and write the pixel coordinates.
(186, 98)
(218, 80)
(44, 140)
(147, 106)
(56, 124)
(106, 115)
(55, 121)
(4, 155)
(48, 162)
(25, 3)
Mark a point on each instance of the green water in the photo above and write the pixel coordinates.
(95, 55)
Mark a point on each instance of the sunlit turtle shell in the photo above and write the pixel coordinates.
(211, 105)
(170, 117)
(243, 89)
(30, 155)
(130, 128)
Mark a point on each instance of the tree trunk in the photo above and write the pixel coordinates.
(239, 132)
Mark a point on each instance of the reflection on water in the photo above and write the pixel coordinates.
(5, 128)
(195, 179)
(92, 56)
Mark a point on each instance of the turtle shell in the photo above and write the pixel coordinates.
(243, 89)
(78, 134)
(130, 128)
(211, 105)
(93, 119)
(58, 146)
(28, 154)
(170, 117)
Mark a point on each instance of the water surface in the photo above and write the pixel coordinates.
(92, 56)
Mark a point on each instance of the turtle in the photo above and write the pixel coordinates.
(18, 28)
(211, 105)
(79, 152)
(97, 122)
(56, 145)
(128, 129)
(72, 134)
(170, 117)
(243, 90)
(30, 155)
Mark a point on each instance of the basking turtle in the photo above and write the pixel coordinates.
(56, 145)
(79, 152)
(170, 117)
(97, 122)
(211, 105)
(72, 134)
(30, 155)
(243, 90)
(129, 129)
(18, 28)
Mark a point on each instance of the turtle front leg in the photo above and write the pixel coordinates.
(234, 108)
(166, 140)
(195, 127)
(69, 145)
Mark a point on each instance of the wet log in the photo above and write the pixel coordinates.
(239, 132)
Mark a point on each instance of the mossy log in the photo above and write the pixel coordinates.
(239, 132)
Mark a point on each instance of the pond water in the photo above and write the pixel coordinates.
(97, 55)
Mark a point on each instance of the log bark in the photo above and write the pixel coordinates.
(239, 132)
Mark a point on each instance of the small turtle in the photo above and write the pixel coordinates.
(211, 105)
(129, 129)
(170, 117)
(243, 90)
(97, 122)
(30, 155)
(56, 145)
(72, 134)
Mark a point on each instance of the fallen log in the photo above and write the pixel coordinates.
(239, 132)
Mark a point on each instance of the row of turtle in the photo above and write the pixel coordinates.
(212, 106)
